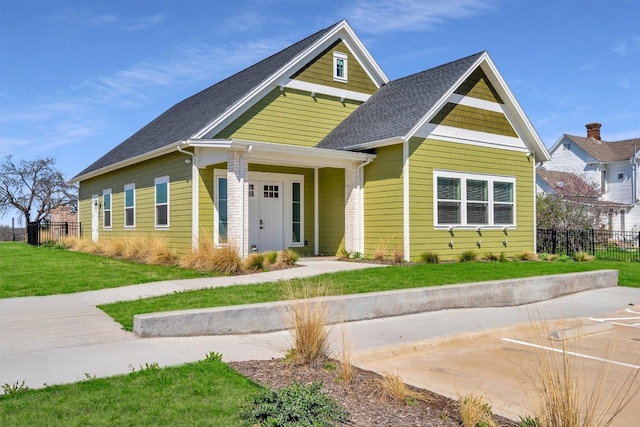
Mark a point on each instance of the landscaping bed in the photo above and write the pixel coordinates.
(362, 396)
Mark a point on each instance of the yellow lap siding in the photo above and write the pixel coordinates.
(143, 175)
(429, 155)
(383, 200)
(289, 117)
(331, 210)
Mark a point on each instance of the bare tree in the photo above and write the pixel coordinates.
(34, 187)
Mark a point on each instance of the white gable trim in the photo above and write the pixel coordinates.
(512, 109)
(324, 90)
(471, 137)
(340, 31)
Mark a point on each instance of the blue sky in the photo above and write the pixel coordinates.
(79, 77)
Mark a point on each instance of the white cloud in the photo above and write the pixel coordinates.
(408, 15)
(144, 22)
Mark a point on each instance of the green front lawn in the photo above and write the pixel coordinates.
(361, 281)
(202, 393)
(27, 271)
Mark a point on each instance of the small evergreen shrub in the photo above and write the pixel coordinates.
(430, 258)
(294, 405)
(270, 258)
(468, 256)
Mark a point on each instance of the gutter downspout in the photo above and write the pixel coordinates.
(195, 218)
(360, 186)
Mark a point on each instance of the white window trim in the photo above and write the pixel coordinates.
(110, 210)
(343, 57)
(287, 194)
(156, 181)
(217, 174)
(124, 195)
(463, 176)
(291, 243)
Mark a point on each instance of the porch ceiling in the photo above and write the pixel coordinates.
(212, 151)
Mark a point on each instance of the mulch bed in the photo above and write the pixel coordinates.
(362, 396)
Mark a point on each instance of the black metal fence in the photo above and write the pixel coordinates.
(46, 231)
(603, 244)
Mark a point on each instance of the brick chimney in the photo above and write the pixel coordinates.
(593, 131)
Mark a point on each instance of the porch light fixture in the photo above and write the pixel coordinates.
(479, 230)
(313, 94)
(505, 242)
(451, 243)
(479, 243)
(451, 230)
(187, 161)
(342, 100)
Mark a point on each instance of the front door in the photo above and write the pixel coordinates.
(266, 216)
(95, 215)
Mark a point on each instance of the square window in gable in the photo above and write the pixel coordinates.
(340, 67)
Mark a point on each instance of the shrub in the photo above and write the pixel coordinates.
(528, 256)
(254, 262)
(159, 252)
(286, 258)
(270, 258)
(398, 256)
(207, 257)
(490, 256)
(582, 256)
(503, 257)
(294, 405)
(430, 258)
(467, 256)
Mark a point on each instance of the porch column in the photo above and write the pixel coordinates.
(238, 202)
(352, 233)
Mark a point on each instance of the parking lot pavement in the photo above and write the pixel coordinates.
(503, 363)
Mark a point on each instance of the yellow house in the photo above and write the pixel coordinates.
(314, 149)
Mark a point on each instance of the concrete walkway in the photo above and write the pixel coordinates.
(65, 338)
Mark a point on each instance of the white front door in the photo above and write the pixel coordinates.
(265, 216)
(95, 216)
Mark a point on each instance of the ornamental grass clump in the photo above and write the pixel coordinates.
(208, 258)
(474, 411)
(306, 316)
(393, 388)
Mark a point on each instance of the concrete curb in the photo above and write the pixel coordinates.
(268, 317)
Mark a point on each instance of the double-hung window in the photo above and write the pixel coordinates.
(473, 200)
(130, 205)
(106, 208)
(162, 201)
(339, 66)
(222, 209)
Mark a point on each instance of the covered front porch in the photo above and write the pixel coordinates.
(262, 196)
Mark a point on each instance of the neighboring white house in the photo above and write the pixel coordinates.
(609, 166)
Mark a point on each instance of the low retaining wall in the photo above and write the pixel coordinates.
(268, 317)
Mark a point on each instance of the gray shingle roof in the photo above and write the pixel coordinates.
(604, 151)
(397, 106)
(191, 115)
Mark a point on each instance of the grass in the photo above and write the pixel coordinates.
(354, 282)
(201, 393)
(32, 271)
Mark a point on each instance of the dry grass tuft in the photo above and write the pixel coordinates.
(528, 256)
(254, 262)
(346, 369)
(392, 387)
(286, 258)
(306, 317)
(208, 258)
(159, 252)
(474, 411)
(398, 255)
(559, 392)
(582, 256)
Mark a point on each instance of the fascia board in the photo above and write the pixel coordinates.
(376, 144)
(520, 117)
(438, 105)
(284, 154)
(296, 63)
(128, 162)
(558, 143)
